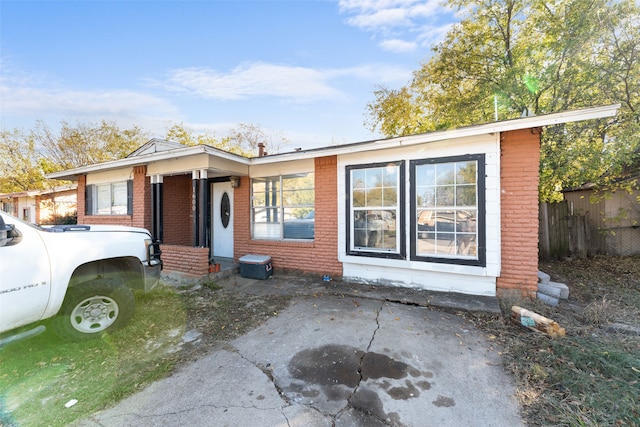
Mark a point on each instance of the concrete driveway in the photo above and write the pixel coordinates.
(336, 360)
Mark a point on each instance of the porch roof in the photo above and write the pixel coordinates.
(158, 150)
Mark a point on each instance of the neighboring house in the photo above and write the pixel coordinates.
(453, 210)
(41, 206)
(613, 216)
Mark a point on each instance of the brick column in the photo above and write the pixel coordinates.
(80, 198)
(141, 198)
(519, 177)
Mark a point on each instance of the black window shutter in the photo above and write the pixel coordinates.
(130, 197)
(88, 199)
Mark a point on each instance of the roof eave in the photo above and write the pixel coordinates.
(467, 131)
(145, 159)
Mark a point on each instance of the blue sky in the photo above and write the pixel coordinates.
(304, 70)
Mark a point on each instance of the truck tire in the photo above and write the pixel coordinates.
(93, 308)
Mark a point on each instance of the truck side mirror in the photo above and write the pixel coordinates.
(3, 233)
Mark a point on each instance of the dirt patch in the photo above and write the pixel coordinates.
(592, 376)
(216, 316)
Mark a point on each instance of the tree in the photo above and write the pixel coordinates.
(21, 167)
(86, 143)
(532, 57)
(26, 156)
(242, 140)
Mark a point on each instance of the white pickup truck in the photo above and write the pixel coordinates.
(77, 278)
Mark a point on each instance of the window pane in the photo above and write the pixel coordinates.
(446, 201)
(374, 198)
(358, 178)
(374, 177)
(299, 223)
(389, 196)
(103, 199)
(297, 198)
(359, 198)
(425, 175)
(426, 196)
(466, 173)
(445, 173)
(266, 231)
(265, 215)
(119, 198)
(445, 195)
(265, 191)
(283, 207)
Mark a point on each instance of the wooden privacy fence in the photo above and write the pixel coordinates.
(563, 234)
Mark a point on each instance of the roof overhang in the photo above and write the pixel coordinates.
(147, 157)
(443, 135)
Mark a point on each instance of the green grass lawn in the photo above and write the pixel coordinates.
(39, 376)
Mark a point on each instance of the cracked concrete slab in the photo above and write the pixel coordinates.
(336, 361)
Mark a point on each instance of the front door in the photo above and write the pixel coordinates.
(222, 219)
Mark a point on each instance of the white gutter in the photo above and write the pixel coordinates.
(488, 128)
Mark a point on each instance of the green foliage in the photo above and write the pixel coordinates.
(514, 57)
(26, 156)
(242, 140)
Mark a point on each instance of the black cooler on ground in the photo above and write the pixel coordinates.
(256, 266)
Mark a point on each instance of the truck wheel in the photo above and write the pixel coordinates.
(93, 308)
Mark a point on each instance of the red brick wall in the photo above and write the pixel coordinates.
(177, 212)
(141, 198)
(519, 164)
(80, 202)
(185, 259)
(319, 256)
(141, 203)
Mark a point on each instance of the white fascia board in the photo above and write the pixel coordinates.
(488, 128)
(145, 159)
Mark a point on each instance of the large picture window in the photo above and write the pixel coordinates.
(282, 207)
(115, 198)
(447, 199)
(374, 222)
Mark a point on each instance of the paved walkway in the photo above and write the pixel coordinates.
(337, 356)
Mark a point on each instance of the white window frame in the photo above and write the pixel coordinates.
(455, 254)
(356, 236)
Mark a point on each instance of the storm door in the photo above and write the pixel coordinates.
(222, 219)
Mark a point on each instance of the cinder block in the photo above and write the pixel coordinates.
(547, 299)
(552, 291)
(564, 289)
(543, 278)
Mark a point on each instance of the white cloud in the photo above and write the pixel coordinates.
(381, 19)
(403, 25)
(26, 98)
(292, 83)
(257, 79)
(399, 46)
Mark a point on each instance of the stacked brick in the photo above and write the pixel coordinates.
(185, 259)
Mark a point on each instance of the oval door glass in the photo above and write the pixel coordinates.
(225, 210)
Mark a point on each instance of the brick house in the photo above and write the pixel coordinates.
(453, 210)
(42, 207)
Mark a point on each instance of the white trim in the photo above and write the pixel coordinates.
(382, 144)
